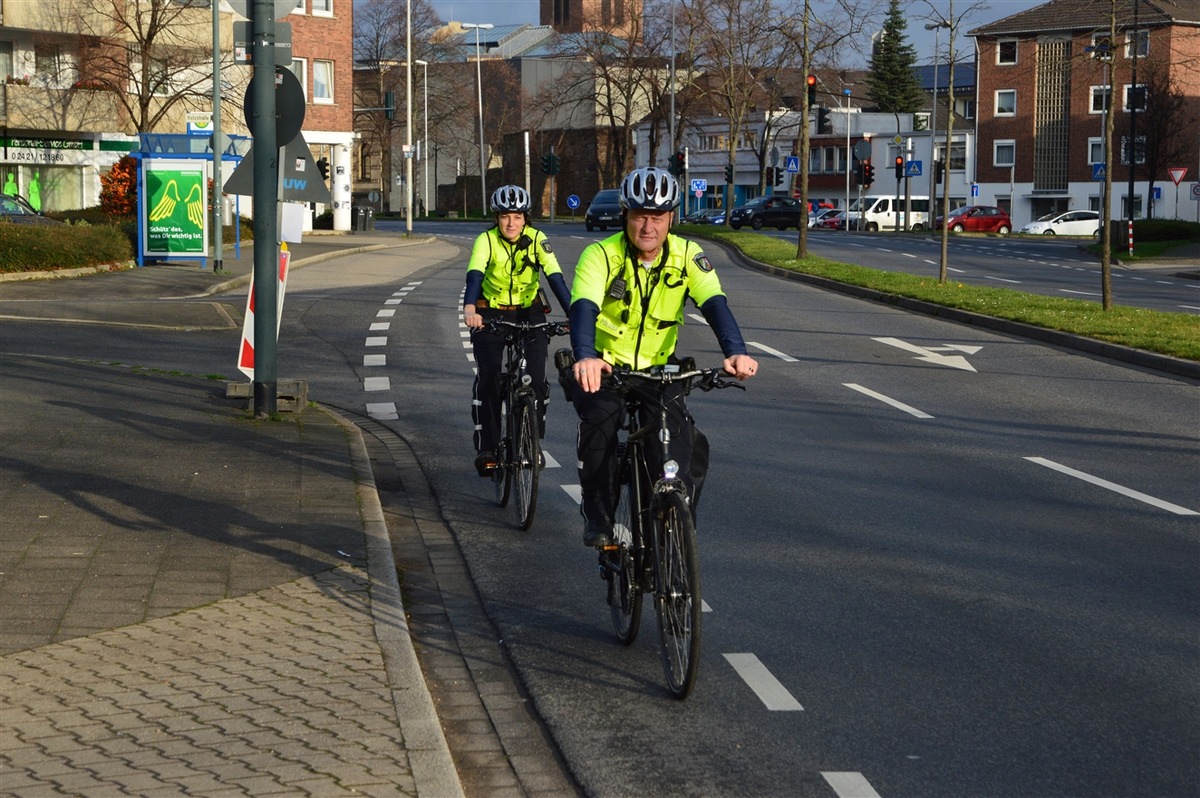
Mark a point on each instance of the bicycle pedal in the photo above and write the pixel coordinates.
(610, 547)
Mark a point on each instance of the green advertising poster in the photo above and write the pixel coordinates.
(176, 218)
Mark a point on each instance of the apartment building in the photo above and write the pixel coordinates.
(1045, 76)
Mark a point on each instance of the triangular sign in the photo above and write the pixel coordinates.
(1177, 173)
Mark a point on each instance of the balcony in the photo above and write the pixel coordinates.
(59, 110)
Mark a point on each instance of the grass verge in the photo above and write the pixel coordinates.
(1174, 334)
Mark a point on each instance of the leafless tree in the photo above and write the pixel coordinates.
(1164, 122)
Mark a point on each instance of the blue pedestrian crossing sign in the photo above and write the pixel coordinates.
(792, 163)
(1097, 171)
(912, 169)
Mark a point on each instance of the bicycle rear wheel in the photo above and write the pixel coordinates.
(502, 476)
(527, 452)
(677, 594)
(624, 588)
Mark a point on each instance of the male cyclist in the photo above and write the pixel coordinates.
(503, 276)
(627, 304)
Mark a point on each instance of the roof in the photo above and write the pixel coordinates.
(964, 76)
(1073, 15)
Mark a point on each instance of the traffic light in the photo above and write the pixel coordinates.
(675, 164)
(812, 90)
(899, 167)
(546, 164)
(869, 174)
(937, 172)
(389, 105)
(780, 176)
(824, 123)
(550, 164)
(729, 173)
(323, 167)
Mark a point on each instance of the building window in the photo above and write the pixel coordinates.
(299, 68)
(1004, 153)
(814, 160)
(299, 9)
(1137, 207)
(323, 7)
(1143, 44)
(1095, 150)
(1006, 102)
(958, 155)
(964, 108)
(1006, 51)
(831, 160)
(1100, 95)
(50, 66)
(1134, 97)
(323, 82)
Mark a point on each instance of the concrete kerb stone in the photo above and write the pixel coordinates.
(1125, 354)
(429, 754)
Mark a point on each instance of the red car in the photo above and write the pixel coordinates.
(977, 219)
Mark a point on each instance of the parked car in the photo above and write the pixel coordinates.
(1068, 223)
(605, 210)
(710, 216)
(760, 212)
(835, 220)
(977, 219)
(814, 221)
(14, 208)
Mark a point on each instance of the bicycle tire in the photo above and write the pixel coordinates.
(677, 594)
(502, 476)
(527, 450)
(624, 588)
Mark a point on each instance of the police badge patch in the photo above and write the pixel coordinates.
(702, 261)
(546, 247)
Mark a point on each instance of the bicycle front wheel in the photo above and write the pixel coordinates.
(624, 586)
(502, 476)
(527, 455)
(677, 594)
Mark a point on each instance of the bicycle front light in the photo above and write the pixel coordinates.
(670, 469)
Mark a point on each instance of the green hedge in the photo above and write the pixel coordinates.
(28, 247)
(1165, 230)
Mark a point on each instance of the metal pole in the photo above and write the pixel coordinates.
(1133, 107)
(671, 121)
(479, 81)
(425, 146)
(218, 149)
(408, 153)
(266, 202)
(849, 158)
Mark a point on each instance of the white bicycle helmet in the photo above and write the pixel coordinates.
(650, 188)
(511, 199)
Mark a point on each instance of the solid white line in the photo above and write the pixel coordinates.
(768, 689)
(770, 351)
(376, 340)
(850, 785)
(1189, 307)
(1081, 293)
(887, 400)
(374, 360)
(377, 384)
(1002, 280)
(1103, 483)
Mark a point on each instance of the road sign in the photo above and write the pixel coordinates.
(1097, 171)
(700, 185)
(1177, 174)
(572, 202)
(301, 181)
(243, 38)
(862, 150)
(974, 189)
(699, 193)
(281, 7)
(1196, 191)
(792, 163)
(289, 104)
(912, 169)
(897, 139)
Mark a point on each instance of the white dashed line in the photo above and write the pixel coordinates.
(1103, 483)
(377, 384)
(850, 785)
(887, 400)
(376, 340)
(770, 351)
(383, 411)
(374, 360)
(386, 313)
(768, 689)
(381, 326)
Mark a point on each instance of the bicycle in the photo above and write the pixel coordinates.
(519, 454)
(654, 534)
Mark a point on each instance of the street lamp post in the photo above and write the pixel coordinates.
(936, 27)
(425, 141)
(849, 156)
(408, 170)
(478, 26)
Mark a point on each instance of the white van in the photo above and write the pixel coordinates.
(878, 212)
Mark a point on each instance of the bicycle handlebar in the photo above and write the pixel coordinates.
(552, 328)
(704, 379)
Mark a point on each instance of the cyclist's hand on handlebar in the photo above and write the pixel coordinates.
(472, 319)
(589, 371)
(741, 366)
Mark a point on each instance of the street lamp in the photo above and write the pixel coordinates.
(408, 192)
(478, 26)
(936, 27)
(425, 146)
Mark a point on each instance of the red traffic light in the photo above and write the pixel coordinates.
(899, 160)
(812, 80)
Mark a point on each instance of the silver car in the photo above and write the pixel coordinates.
(1068, 223)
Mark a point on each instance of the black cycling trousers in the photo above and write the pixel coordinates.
(600, 417)
(489, 362)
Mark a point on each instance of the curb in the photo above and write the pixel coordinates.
(244, 279)
(1125, 354)
(424, 742)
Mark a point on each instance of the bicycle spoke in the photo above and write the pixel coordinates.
(525, 463)
(677, 595)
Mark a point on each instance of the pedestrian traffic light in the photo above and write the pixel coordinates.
(389, 105)
(938, 168)
(899, 167)
(323, 167)
(869, 174)
(812, 90)
(824, 123)
(675, 164)
(729, 173)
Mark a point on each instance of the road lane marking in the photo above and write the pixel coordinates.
(770, 351)
(380, 326)
(382, 411)
(377, 384)
(376, 340)
(374, 360)
(887, 400)
(1081, 293)
(386, 313)
(1002, 280)
(550, 461)
(1103, 483)
(768, 689)
(849, 785)
(929, 355)
(574, 491)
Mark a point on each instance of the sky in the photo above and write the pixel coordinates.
(509, 12)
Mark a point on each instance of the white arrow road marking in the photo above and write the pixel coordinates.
(1103, 483)
(850, 785)
(970, 350)
(765, 686)
(929, 355)
(887, 400)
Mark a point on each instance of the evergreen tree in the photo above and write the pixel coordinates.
(892, 84)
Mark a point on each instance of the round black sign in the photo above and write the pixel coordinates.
(289, 105)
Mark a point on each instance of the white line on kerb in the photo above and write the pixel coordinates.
(850, 785)
(770, 351)
(768, 689)
(887, 400)
(1103, 483)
